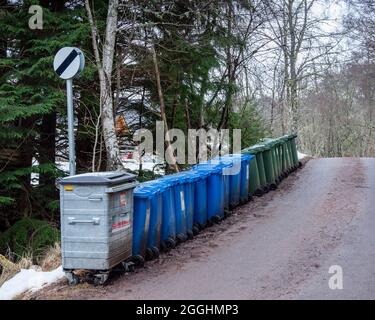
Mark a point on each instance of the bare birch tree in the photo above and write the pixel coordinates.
(104, 63)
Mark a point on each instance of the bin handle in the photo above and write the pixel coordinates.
(94, 221)
(95, 198)
(122, 187)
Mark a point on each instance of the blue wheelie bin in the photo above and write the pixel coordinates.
(168, 221)
(200, 200)
(193, 177)
(233, 172)
(244, 175)
(156, 214)
(179, 204)
(141, 220)
(227, 166)
(215, 190)
(187, 180)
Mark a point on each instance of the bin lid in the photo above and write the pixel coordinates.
(145, 191)
(157, 184)
(172, 179)
(108, 178)
(208, 167)
(270, 142)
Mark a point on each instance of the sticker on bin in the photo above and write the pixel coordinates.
(120, 222)
(123, 199)
(182, 200)
(247, 172)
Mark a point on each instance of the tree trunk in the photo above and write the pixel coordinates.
(105, 66)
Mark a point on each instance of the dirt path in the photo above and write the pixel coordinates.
(278, 247)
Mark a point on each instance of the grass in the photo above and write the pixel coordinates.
(50, 260)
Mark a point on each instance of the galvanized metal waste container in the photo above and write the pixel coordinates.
(96, 221)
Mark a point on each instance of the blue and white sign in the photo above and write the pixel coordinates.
(68, 62)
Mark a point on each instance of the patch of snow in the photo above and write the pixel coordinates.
(301, 155)
(29, 279)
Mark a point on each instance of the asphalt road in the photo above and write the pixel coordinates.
(279, 247)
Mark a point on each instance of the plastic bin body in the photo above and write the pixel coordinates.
(141, 218)
(156, 214)
(231, 180)
(96, 220)
(254, 183)
(234, 172)
(258, 150)
(268, 166)
(187, 180)
(245, 178)
(200, 200)
(168, 224)
(215, 190)
(178, 192)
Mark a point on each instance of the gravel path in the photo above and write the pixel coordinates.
(280, 246)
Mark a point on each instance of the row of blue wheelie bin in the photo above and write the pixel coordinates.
(174, 208)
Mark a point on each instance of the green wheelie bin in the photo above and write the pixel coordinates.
(293, 145)
(257, 151)
(269, 167)
(289, 156)
(272, 165)
(254, 181)
(284, 157)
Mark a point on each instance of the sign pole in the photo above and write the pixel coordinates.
(72, 151)
(68, 63)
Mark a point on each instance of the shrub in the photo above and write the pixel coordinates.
(28, 236)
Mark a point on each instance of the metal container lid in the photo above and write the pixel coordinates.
(108, 178)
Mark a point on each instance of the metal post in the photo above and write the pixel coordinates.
(72, 155)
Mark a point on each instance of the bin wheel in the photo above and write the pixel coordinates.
(210, 223)
(250, 198)
(181, 238)
(163, 246)
(101, 278)
(190, 235)
(299, 164)
(227, 213)
(138, 260)
(170, 243)
(73, 279)
(149, 254)
(155, 252)
(216, 219)
(273, 186)
(196, 230)
(258, 193)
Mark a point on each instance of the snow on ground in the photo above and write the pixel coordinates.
(301, 155)
(28, 279)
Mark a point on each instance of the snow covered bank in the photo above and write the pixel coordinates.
(301, 155)
(28, 279)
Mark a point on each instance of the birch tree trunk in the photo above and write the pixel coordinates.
(105, 67)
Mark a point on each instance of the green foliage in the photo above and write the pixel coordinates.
(251, 124)
(28, 236)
